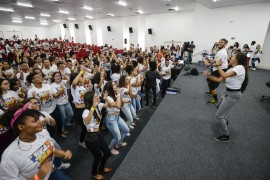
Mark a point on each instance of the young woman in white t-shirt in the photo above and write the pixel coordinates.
(77, 91)
(127, 107)
(8, 72)
(94, 141)
(236, 80)
(116, 125)
(7, 97)
(59, 91)
(30, 156)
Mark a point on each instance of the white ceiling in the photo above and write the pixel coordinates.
(100, 8)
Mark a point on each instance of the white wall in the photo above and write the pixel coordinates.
(265, 58)
(244, 22)
(54, 31)
(26, 31)
(80, 34)
(168, 27)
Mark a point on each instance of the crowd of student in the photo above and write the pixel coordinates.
(45, 87)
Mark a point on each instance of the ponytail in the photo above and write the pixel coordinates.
(242, 60)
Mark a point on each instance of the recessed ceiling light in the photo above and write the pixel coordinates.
(71, 19)
(56, 20)
(139, 12)
(43, 23)
(110, 14)
(214, 0)
(89, 17)
(16, 21)
(45, 15)
(29, 17)
(88, 8)
(122, 3)
(24, 4)
(176, 8)
(6, 9)
(63, 12)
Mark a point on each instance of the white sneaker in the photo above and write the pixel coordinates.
(128, 134)
(64, 166)
(131, 127)
(133, 124)
(82, 144)
(123, 144)
(254, 69)
(114, 152)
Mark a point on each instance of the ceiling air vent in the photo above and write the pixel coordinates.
(171, 9)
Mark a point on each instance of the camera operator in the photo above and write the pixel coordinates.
(222, 56)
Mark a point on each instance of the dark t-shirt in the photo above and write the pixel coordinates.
(151, 77)
(192, 47)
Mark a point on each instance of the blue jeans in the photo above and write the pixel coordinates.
(129, 112)
(118, 129)
(66, 113)
(142, 97)
(136, 104)
(57, 174)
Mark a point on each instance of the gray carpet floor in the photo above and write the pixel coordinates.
(177, 142)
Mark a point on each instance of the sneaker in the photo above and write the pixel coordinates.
(222, 138)
(136, 118)
(98, 177)
(208, 93)
(123, 144)
(133, 124)
(131, 127)
(64, 166)
(254, 69)
(82, 144)
(154, 107)
(128, 134)
(212, 101)
(114, 152)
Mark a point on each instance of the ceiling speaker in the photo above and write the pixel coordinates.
(90, 27)
(65, 25)
(150, 31)
(130, 30)
(77, 26)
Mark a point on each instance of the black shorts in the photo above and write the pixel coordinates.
(214, 85)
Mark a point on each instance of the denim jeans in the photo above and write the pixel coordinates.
(129, 112)
(118, 129)
(66, 112)
(136, 104)
(142, 98)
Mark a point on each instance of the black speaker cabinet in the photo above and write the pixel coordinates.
(130, 30)
(90, 27)
(65, 25)
(125, 41)
(77, 26)
(109, 28)
(149, 31)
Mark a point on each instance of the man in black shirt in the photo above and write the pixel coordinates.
(191, 47)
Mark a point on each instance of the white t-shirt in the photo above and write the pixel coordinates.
(73, 61)
(111, 110)
(47, 72)
(63, 98)
(94, 123)
(46, 46)
(163, 71)
(24, 77)
(54, 68)
(133, 88)
(236, 82)
(223, 56)
(9, 99)
(115, 77)
(44, 96)
(78, 94)
(22, 160)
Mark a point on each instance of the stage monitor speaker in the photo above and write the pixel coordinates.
(149, 31)
(65, 25)
(125, 41)
(109, 28)
(90, 27)
(77, 26)
(130, 30)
